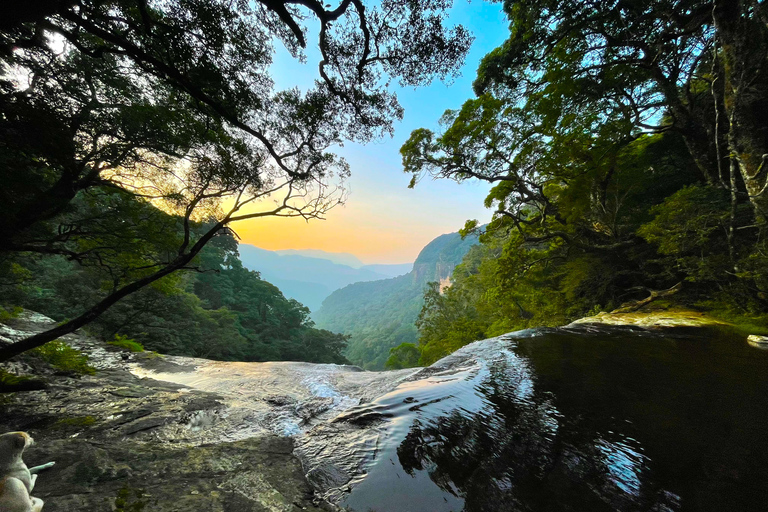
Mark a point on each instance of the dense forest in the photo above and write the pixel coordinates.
(627, 145)
(220, 311)
(379, 315)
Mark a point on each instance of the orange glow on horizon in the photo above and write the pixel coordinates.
(370, 245)
(383, 222)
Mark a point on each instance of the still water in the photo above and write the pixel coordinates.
(583, 419)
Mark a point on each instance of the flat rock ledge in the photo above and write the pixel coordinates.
(124, 443)
(653, 319)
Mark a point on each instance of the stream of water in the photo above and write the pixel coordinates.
(582, 418)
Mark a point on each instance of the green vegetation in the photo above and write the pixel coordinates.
(9, 313)
(9, 379)
(223, 311)
(10, 382)
(126, 343)
(130, 500)
(78, 421)
(379, 315)
(627, 148)
(132, 134)
(405, 355)
(65, 358)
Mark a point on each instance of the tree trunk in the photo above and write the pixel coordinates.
(99, 308)
(744, 42)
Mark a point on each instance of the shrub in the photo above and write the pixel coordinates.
(63, 357)
(126, 343)
(9, 312)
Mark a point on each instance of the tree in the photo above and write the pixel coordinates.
(223, 311)
(581, 114)
(405, 355)
(171, 103)
(702, 62)
(626, 144)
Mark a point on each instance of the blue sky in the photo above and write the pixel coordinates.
(383, 221)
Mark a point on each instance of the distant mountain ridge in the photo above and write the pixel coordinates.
(341, 258)
(309, 279)
(379, 315)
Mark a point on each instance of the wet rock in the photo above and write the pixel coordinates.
(121, 442)
(653, 319)
(132, 392)
(253, 475)
(177, 434)
(144, 452)
(758, 341)
(145, 424)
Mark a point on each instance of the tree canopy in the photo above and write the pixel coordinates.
(626, 142)
(117, 103)
(222, 311)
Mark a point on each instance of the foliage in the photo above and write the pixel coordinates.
(405, 355)
(108, 108)
(380, 315)
(9, 313)
(221, 312)
(10, 382)
(11, 379)
(65, 358)
(626, 152)
(126, 343)
(376, 315)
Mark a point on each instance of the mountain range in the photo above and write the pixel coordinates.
(309, 276)
(381, 314)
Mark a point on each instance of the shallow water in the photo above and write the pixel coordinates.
(582, 418)
(560, 419)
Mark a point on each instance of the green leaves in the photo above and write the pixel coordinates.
(599, 124)
(688, 221)
(405, 355)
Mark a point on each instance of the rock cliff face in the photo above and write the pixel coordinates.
(199, 436)
(438, 259)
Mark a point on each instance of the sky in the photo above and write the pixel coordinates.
(382, 220)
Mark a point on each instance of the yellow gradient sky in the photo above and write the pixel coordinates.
(383, 221)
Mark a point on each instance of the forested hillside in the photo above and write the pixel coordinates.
(217, 309)
(308, 279)
(628, 148)
(379, 315)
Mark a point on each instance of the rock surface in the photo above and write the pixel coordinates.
(758, 341)
(653, 319)
(199, 436)
(177, 434)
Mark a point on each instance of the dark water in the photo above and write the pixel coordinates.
(563, 420)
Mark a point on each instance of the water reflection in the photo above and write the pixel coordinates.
(572, 422)
(521, 453)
